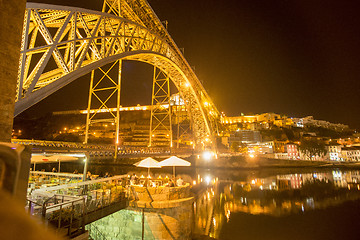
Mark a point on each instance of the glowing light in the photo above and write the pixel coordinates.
(187, 84)
(207, 155)
(194, 182)
(251, 155)
(207, 179)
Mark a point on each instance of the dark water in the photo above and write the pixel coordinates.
(266, 204)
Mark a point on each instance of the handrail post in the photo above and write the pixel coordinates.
(71, 218)
(83, 215)
(59, 222)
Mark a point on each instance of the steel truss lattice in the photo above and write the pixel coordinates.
(60, 44)
(160, 119)
(101, 92)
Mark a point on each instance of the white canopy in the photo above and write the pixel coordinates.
(174, 161)
(41, 158)
(52, 158)
(148, 163)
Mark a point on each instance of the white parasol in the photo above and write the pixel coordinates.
(174, 161)
(148, 163)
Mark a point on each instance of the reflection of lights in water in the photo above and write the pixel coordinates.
(207, 179)
(251, 155)
(227, 215)
(261, 187)
(214, 222)
(207, 155)
(302, 208)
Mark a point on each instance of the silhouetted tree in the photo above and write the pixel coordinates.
(312, 148)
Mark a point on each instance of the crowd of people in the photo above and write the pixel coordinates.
(172, 182)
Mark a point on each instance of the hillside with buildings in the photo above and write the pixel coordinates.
(267, 134)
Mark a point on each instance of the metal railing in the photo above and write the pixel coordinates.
(60, 144)
(61, 212)
(67, 206)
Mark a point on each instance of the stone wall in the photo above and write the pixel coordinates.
(163, 218)
(11, 19)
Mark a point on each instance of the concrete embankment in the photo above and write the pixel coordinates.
(153, 213)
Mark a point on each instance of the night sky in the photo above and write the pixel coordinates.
(296, 58)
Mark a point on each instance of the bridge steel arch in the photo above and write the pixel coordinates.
(60, 44)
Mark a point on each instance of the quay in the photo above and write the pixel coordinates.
(106, 206)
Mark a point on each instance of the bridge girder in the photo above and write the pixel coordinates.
(60, 44)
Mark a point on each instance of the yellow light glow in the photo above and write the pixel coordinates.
(207, 155)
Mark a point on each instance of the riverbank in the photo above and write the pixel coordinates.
(246, 162)
(241, 162)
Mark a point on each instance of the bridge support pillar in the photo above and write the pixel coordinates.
(103, 89)
(11, 18)
(160, 120)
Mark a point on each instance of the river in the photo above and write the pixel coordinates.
(277, 203)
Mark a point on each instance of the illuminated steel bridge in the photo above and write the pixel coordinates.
(60, 44)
